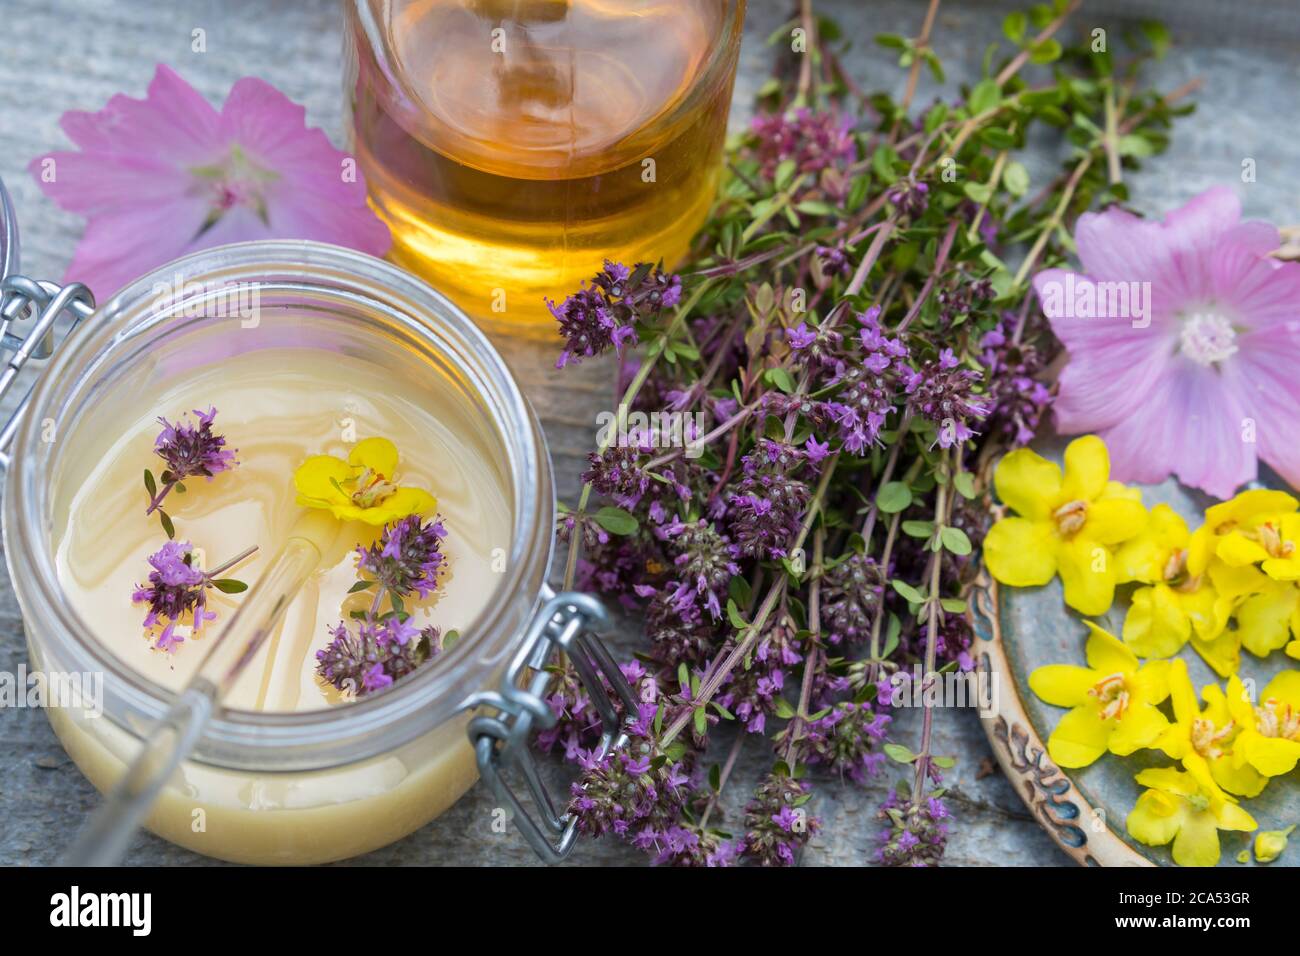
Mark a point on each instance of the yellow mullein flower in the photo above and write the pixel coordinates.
(1177, 808)
(1269, 540)
(1113, 701)
(1269, 618)
(363, 488)
(1065, 524)
(1176, 605)
(1242, 511)
(1203, 739)
(1270, 731)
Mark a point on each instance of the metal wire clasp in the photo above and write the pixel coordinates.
(21, 299)
(572, 623)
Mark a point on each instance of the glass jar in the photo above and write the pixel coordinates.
(308, 786)
(512, 145)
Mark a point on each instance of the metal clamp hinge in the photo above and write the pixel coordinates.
(573, 624)
(22, 298)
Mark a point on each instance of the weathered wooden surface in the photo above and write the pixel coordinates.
(61, 54)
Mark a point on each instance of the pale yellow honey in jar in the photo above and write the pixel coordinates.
(277, 407)
(512, 145)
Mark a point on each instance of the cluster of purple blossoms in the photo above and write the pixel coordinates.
(944, 393)
(911, 197)
(577, 726)
(191, 451)
(176, 588)
(753, 693)
(815, 142)
(705, 563)
(952, 642)
(688, 846)
(677, 636)
(814, 348)
(769, 502)
(777, 825)
(635, 793)
(603, 315)
(407, 557)
(1016, 393)
(867, 383)
(833, 260)
(851, 594)
(963, 299)
(844, 739)
(918, 830)
(375, 654)
(617, 473)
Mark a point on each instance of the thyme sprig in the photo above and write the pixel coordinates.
(853, 344)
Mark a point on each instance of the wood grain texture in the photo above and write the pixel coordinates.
(62, 54)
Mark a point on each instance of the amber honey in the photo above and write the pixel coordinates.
(511, 145)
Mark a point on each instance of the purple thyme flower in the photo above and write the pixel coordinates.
(776, 824)
(407, 556)
(190, 451)
(918, 831)
(175, 588)
(944, 393)
(603, 315)
(1016, 393)
(375, 654)
(845, 739)
(624, 792)
(851, 593)
(706, 562)
(816, 142)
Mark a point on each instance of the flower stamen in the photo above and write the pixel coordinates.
(1278, 719)
(1206, 737)
(1207, 338)
(1112, 693)
(1070, 517)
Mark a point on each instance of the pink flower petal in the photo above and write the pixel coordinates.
(173, 122)
(166, 175)
(1192, 428)
(1268, 363)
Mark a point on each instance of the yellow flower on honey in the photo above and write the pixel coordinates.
(1113, 701)
(1203, 740)
(1177, 808)
(1270, 730)
(1176, 605)
(1065, 524)
(363, 488)
(1271, 844)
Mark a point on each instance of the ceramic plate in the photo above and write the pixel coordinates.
(1020, 629)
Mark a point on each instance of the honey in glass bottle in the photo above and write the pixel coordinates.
(512, 145)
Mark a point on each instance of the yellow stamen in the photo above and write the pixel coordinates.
(1112, 693)
(1206, 737)
(1070, 517)
(1278, 719)
(1271, 540)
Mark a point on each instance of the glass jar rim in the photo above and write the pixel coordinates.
(313, 739)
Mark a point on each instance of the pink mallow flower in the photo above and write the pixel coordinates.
(1183, 341)
(168, 175)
